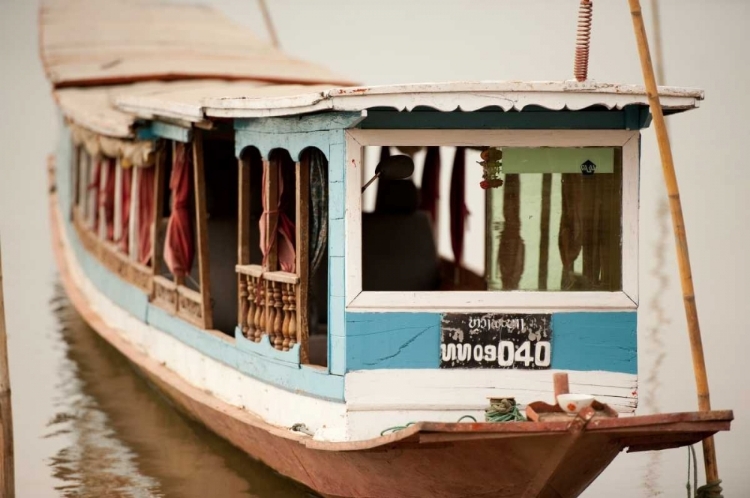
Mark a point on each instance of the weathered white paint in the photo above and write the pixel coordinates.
(353, 216)
(463, 95)
(507, 301)
(379, 399)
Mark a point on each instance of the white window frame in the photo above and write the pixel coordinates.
(505, 301)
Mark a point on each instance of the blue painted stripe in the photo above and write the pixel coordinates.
(171, 132)
(392, 340)
(281, 374)
(595, 341)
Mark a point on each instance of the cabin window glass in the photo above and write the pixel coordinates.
(549, 219)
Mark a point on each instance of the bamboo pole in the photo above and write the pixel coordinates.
(7, 484)
(678, 222)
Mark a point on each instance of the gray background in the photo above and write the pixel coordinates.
(705, 46)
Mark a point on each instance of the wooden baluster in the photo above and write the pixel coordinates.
(243, 304)
(292, 295)
(285, 323)
(260, 310)
(270, 312)
(278, 318)
(250, 299)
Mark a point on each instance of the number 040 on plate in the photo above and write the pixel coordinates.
(491, 340)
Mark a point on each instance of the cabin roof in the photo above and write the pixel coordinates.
(113, 110)
(92, 42)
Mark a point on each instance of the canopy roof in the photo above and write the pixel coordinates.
(188, 63)
(93, 42)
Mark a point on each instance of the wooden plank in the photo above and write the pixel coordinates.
(157, 238)
(303, 257)
(201, 225)
(135, 201)
(7, 478)
(243, 234)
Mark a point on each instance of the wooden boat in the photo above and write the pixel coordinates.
(210, 220)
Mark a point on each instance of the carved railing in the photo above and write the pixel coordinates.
(108, 254)
(190, 306)
(165, 294)
(268, 305)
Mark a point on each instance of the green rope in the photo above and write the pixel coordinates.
(691, 456)
(709, 490)
(504, 410)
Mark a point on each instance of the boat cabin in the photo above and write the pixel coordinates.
(362, 257)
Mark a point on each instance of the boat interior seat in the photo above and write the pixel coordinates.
(398, 245)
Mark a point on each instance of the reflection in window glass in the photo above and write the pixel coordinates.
(533, 219)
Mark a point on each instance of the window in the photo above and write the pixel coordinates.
(530, 220)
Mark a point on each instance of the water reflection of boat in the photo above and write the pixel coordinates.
(127, 441)
(219, 235)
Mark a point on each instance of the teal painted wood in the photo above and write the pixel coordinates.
(300, 124)
(294, 143)
(584, 341)
(281, 374)
(392, 340)
(171, 132)
(595, 341)
(265, 349)
(336, 253)
(631, 117)
(286, 375)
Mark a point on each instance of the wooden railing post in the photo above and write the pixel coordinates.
(201, 225)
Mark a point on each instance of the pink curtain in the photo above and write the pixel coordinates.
(179, 249)
(127, 180)
(430, 190)
(458, 208)
(94, 186)
(146, 208)
(108, 200)
(283, 232)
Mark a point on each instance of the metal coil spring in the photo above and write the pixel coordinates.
(583, 40)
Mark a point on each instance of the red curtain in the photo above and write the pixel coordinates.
(179, 249)
(127, 181)
(458, 208)
(108, 200)
(430, 190)
(146, 208)
(284, 232)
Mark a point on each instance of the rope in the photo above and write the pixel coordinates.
(710, 490)
(503, 411)
(269, 23)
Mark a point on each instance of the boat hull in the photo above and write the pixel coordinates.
(440, 460)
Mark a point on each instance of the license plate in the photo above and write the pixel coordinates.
(492, 340)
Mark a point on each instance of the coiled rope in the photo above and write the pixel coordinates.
(503, 410)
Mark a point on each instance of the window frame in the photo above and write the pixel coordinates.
(505, 301)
